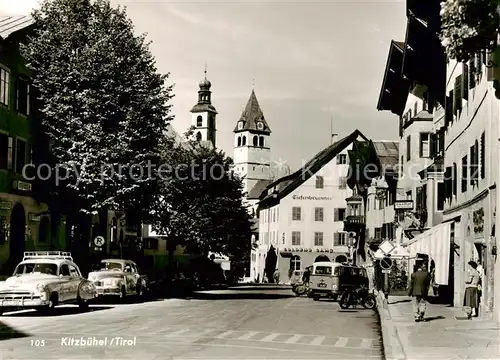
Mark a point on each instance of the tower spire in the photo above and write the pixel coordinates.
(205, 71)
(253, 84)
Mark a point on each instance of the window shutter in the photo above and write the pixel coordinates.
(336, 239)
(465, 81)
(472, 166)
(447, 183)
(441, 141)
(457, 100)
(454, 176)
(472, 74)
(384, 231)
(483, 156)
(400, 126)
(448, 115)
(433, 145)
(335, 214)
(440, 196)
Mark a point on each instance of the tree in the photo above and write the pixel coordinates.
(201, 204)
(101, 103)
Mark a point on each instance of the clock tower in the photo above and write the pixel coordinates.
(203, 114)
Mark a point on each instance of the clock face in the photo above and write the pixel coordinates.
(260, 126)
(240, 125)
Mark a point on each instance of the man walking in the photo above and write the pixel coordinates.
(419, 287)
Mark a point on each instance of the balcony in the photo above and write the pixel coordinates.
(354, 223)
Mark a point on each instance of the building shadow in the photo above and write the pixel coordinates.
(7, 332)
(399, 302)
(238, 296)
(432, 318)
(64, 311)
(348, 311)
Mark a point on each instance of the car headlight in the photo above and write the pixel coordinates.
(41, 288)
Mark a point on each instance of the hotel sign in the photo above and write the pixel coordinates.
(21, 185)
(302, 197)
(403, 205)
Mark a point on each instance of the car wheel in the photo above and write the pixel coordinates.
(83, 304)
(315, 297)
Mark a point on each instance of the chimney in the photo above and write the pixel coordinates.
(334, 137)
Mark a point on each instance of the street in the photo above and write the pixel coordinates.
(242, 323)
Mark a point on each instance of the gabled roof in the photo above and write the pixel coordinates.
(251, 115)
(12, 24)
(284, 186)
(387, 153)
(257, 189)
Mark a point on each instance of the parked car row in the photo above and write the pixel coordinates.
(43, 280)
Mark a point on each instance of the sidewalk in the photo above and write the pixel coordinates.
(440, 336)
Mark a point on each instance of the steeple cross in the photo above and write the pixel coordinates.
(205, 70)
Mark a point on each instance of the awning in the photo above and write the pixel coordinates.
(434, 242)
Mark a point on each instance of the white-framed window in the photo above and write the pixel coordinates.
(319, 182)
(4, 86)
(295, 238)
(318, 214)
(296, 213)
(295, 263)
(424, 145)
(339, 214)
(318, 238)
(341, 159)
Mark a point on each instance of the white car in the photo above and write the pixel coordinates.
(118, 277)
(44, 280)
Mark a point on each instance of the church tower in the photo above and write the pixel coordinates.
(252, 150)
(203, 114)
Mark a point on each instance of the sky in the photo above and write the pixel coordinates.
(314, 65)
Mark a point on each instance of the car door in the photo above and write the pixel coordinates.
(74, 282)
(64, 282)
(129, 278)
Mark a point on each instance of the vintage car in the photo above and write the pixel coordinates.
(44, 280)
(118, 277)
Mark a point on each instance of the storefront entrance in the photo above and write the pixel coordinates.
(17, 234)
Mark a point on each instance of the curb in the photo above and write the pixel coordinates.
(393, 348)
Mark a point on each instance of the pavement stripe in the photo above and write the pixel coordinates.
(318, 340)
(270, 337)
(293, 339)
(366, 344)
(248, 335)
(224, 334)
(341, 342)
(178, 332)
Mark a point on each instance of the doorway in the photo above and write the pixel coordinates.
(17, 234)
(341, 259)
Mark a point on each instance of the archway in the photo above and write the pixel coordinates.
(341, 259)
(17, 234)
(322, 258)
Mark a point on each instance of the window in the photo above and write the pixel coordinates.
(339, 239)
(339, 214)
(296, 213)
(458, 94)
(318, 214)
(408, 148)
(274, 215)
(4, 149)
(319, 182)
(464, 174)
(295, 263)
(483, 156)
(378, 233)
(342, 182)
(73, 272)
(454, 176)
(198, 136)
(448, 183)
(255, 140)
(199, 121)
(260, 126)
(424, 145)
(22, 96)
(318, 239)
(296, 238)
(341, 159)
(4, 86)
(474, 164)
(441, 196)
(243, 140)
(239, 140)
(261, 141)
(20, 155)
(240, 125)
(64, 270)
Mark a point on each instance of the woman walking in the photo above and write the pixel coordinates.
(471, 298)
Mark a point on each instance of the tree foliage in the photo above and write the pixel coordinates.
(101, 102)
(201, 202)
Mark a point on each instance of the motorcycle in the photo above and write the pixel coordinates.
(300, 288)
(359, 296)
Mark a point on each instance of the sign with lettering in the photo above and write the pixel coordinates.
(403, 205)
(5, 205)
(303, 197)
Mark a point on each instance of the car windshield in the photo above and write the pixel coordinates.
(110, 265)
(323, 270)
(32, 268)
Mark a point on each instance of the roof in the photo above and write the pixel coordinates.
(252, 114)
(258, 188)
(203, 108)
(11, 24)
(287, 184)
(388, 153)
(394, 90)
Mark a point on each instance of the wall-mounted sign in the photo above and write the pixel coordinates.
(5, 205)
(21, 185)
(302, 197)
(34, 217)
(403, 205)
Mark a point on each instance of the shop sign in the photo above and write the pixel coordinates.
(478, 220)
(308, 197)
(34, 217)
(5, 205)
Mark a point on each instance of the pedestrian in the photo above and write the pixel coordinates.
(471, 296)
(419, 288)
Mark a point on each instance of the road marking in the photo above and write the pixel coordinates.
(271, 337)
(224, 334)
(341, 342)
(248, 335)
(293, 339)
(366, 343)
(318, 340)
(178, 332)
